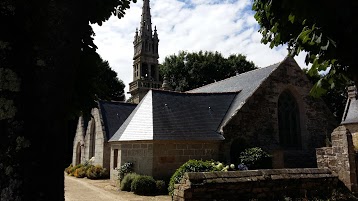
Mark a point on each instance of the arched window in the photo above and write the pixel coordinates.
(289, 121)
(78, 153)
(92, 139)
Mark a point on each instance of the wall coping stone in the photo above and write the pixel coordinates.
(250, 175)
(263, 184)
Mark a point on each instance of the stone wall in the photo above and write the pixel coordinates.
(169, 156)
(93, 134)
(353, 129)
(340, 158)
(79, 140)
(256, 123)
(160, 159)
(140, 153)
(100, 139)
(273, 184)
(88, 139)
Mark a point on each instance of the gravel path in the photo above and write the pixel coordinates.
(101, 190)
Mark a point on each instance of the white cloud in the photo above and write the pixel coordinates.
(226, 26)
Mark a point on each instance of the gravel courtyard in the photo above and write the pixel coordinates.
(84, 189)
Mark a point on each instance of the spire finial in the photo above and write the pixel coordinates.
(165, 85)
(155, 35)
(136, 35)
(146, 22)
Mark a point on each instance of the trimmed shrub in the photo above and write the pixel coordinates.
(126, 182)
(67, 170)
(161, 187)
(255, 158)
(96, 172)
(191, 166)
(80, 172)
(73, 169)
(143, 185)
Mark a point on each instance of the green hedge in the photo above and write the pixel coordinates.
(256, 158)
(67, 170)
(190, 166)
(127, 180)
(143, 185)
(97, 172)
(80, 172)
(162, 188)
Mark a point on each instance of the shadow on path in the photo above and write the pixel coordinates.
(83, 189)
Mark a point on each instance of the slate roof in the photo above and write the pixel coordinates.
(164, 115)
(247, 83)
(114, 114)
(350, 115)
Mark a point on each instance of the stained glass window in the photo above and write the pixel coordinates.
(289, 121)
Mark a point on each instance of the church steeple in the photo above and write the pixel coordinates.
(145, 64)
(146, 22)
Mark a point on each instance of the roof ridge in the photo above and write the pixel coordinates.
(235, 76)
(198, 93)
(116, 102)
(223, 118)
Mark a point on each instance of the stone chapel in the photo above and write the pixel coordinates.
(269, 107)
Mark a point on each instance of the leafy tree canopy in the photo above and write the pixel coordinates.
(95, 81)
(187, 71)
(324, 29)
(45, 52)
(335, 98)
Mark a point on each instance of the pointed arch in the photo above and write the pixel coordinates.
(289, 121)
(92, 145)
(78, 153)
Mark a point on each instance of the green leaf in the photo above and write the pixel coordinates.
(291, 18)
(304, 22)
(311, 43)
(314, 67)
(305, 39)
(323, 66)
(326, 46)
(317, 90)
(333, 85)
(274, 28)
(318, 40)
(304, 34)
(272, 45)
(312, 71)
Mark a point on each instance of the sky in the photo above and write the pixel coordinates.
(226, 26)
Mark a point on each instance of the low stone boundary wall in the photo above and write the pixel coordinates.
(269, 184)
(340, 158)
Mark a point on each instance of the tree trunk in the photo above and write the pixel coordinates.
(42, 46)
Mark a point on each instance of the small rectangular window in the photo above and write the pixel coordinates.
(115, 158)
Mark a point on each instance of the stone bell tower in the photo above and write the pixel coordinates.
(145, 64)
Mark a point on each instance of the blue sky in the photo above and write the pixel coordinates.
(226, 26)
